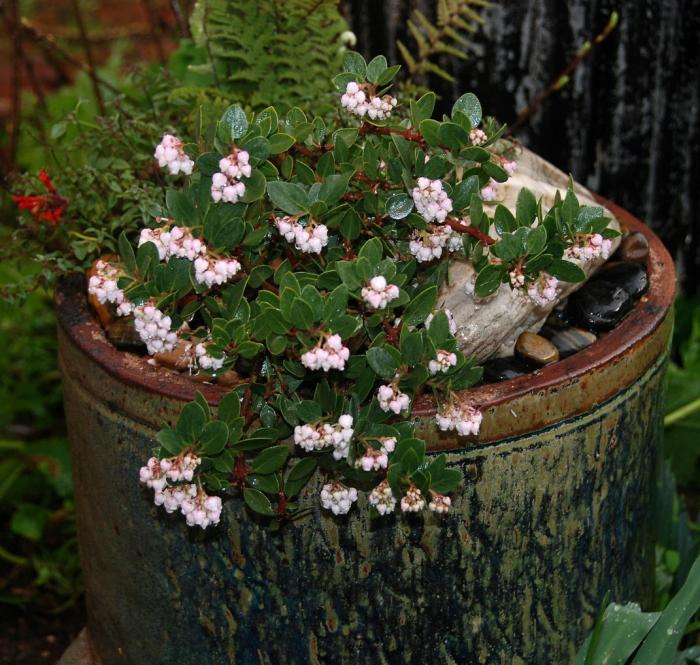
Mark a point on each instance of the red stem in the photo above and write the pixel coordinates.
(472, 231)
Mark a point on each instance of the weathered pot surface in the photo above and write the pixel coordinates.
(553, 514)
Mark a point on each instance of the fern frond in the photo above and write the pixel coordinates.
(271, 52)
(445, 36)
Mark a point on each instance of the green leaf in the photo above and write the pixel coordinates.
(471, 107)
(411, 346)
(566, 271)
(622, 629)
(171, 441)
(430, 129)
(308, 411)
(503, 220)
(229, 407)
(388, 75)
(288, 196)
(29, 521)
(180, 207)
(126, 252)
(235, 121)
(302, 316)
(214, 437)
(375, 68)
(257, 502)
(418, 309)
(422, 109)
(452, 135)
(299, 475)
(270, 460)
(508, 248)
(488, 280)
(536, 240)
(372, 251)
(280, 143)
(662, 642)
(268, 484)
(191, 421)
(334, 186)
(399, 206)
(336, 303)
(439, 329)
(448, 481)
(525, 208)
(463, 191)
(382, 362)
(355, 64)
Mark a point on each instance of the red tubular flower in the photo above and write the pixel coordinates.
(49, 208)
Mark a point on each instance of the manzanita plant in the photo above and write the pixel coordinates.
(305, 262)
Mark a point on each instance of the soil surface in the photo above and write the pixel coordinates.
(27, 635)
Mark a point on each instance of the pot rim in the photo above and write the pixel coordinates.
(638, 329)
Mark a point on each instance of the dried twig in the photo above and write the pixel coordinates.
(564, 77)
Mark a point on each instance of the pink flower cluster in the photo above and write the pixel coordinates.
(338, 498)
(428, 245)
(412, 501)
(170, 155)
(205, 361)
(392, 399)
(478, 136)
(465, 419)
(103, 285)
(198, 508)
(377, 458)
(590, 247)
(439, 503)
(310, 239)
(153, 327)
(544, 291)
(382, 498)
(355, 100)
(173, 241)
(211, 271)
(443, 362)
(324, 435)
(378, 294)
(331, 354)
(431, 200)
(226, 185)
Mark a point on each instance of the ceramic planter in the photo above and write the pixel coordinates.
(554, 512)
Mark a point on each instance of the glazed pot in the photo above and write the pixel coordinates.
(555, 512)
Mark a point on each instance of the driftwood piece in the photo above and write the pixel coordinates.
(490, 327)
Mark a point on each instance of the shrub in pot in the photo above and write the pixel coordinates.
(302, 269)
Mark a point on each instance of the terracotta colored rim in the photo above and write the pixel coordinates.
(634, 335)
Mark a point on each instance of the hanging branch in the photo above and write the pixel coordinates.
(180, 18)
(92, 70)
(13, 31)
(49, 43)
(156, 32)
(564, 77)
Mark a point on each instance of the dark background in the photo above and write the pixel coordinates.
(628, 123)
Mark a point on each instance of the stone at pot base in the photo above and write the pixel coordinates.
(122, 334)
(600, 305)
(630, 275)
(535, 350)
(502, 369)
(634, 247)
(568, 340)
(80, 652)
